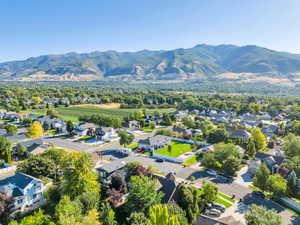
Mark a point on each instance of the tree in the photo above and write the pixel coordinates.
(35, 130)
(188, 122)
(125, 137)
(107, 215)
(259, 138)
(261, 177)
(164, 132)
(11, 129)
(89, 201)
(218, 135)
(296, 127)
(169, 148)
(142, 194)
(36, 100)
(259, 215)
(70, 127)
(22, 151)
(277, 185)
(38, 218)
(137, 218)
(78, 175)
(5, 149)
(292, 146)
(38, 166)
(159, 215)
(52, 113)
(6, 205)
(251, 149)
(190, 201)
(152, 125)
(92, 218)
(209, 192)
(68, 212)
(231, 165)
(225, 157)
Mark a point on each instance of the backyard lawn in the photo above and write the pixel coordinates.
(177, 149)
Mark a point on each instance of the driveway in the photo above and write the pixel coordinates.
(67, 144)
(241, 192)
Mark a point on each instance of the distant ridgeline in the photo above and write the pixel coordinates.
(248, 64)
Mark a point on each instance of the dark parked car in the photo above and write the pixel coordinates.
(258, 194)
(160, 160)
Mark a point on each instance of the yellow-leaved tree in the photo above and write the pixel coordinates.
(35, 130)
(259, 138)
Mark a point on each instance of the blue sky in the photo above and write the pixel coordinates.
(37, 27)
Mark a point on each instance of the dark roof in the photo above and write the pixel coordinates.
(16, 193)
(168, 187)
(20, 180)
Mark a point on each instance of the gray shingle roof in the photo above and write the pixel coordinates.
(20, 180)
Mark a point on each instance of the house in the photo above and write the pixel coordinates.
(107, 134)
(33, 147)
(239, 134)
(181, 114)
(265, 117)
(49, 122)
(24, 189)
(168, 186)
(84, 129)
(186, 133)
(205, 220)
(132, 125)
(155, 142)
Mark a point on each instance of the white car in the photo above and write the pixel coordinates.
(212, 212)
(211, 172)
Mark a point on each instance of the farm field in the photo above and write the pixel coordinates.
(73, 113)
(177, 149)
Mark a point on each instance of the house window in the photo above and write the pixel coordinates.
(20, 201)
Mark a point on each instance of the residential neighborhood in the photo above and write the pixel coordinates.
(194, 150)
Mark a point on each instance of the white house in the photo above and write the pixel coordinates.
(24, 189)
(84, 129)
(108, 134)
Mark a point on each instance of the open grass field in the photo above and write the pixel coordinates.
(73, 113)
(177, 149)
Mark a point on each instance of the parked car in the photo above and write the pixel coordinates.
(258, 194)
(160, 160)
(139, 149)
(212, 212)
(211, 172)
(218, 206)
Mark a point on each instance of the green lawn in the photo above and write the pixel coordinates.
(132, 146)
(73, 113)
(51, 132)
(223, 202)
(226, 197)
(147, 129)
(191, 161)
(177, 149)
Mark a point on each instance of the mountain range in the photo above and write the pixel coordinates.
(226, 62)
